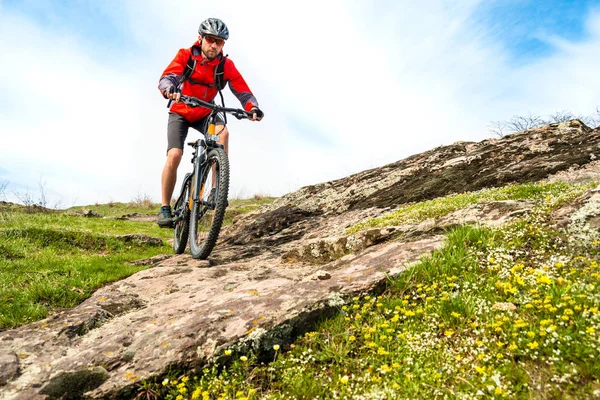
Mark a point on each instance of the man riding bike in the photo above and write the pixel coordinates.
(195, 72)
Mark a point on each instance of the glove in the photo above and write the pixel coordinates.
(258, 112)
(170, 90)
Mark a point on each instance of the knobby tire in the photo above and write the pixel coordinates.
(205, 222)
(182, 227)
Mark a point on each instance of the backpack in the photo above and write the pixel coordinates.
(219, 72)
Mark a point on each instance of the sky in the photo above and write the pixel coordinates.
(345, 86)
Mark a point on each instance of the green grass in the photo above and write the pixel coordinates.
(52, 260)
(436, 208)
(115, 209)
(438, 331)
(241, 206)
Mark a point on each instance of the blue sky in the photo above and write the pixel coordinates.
(523, 25)
(81, 112)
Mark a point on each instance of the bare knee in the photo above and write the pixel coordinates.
(173, 158)
(223, 133)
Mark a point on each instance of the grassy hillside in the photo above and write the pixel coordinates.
(52, 259)
(495, 313)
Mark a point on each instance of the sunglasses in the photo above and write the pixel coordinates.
(211, 40)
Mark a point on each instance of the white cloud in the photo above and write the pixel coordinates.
(345, 86)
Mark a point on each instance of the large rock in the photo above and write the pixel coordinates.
(277, 270)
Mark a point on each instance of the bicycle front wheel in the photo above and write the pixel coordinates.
(182, 213)
(208, 212)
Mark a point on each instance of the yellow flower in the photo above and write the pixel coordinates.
(543, 279)
(244, 358)
(381, 351)
(385, 368)
(533, 345)
(455, 314)
(449, 333)
(227, 352)
(590, 330)
(512, 347)
(480, 370)
(531, 334)
(352, 338)
(276, 347)
(498, 391)
(344, 379)
(185, 379)
(165, 382)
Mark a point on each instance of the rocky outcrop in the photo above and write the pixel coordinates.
(276, 270)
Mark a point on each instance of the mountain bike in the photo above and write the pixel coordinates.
(200, 207)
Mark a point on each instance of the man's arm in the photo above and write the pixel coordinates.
(170, 77)
(239, 87)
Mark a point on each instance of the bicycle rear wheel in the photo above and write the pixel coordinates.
(207, 213)
(182, 212)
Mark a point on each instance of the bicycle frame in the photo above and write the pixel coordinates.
(201, 148)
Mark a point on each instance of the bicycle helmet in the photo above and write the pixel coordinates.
(214, 27)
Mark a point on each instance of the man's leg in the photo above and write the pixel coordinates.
(169, 175)
(223, 133)
(176, 134)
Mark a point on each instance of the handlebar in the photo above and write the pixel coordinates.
(195, 102)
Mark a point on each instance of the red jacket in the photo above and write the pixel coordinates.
(204, 74)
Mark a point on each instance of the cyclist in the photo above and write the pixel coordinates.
(208, 53)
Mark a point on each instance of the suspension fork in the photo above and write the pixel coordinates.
(197, 188)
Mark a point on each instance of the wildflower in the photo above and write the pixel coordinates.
(227, 352)
(448, 333)
(185, 379)
(244, 358)
(352, 338)
(196, 393)
(344, 379)
(512, 347)
(385, 369)
(533, 345)
(543, 279)
(276, 347)
(590, 330)
(165, 382)
(455, 314)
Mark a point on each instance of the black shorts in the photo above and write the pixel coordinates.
(177, 129)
